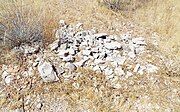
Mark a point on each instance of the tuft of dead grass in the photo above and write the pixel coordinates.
(22, 23)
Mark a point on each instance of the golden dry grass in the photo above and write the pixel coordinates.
(158, 15)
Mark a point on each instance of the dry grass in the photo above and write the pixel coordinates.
(137, 93)
(22, 23)
(163, 19)
(160, 18)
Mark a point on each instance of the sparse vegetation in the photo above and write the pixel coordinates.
(21, 23)
(123, 5)
(26, 21)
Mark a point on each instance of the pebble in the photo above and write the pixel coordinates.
(151, 68)
(69, 58)
(97, 68)
(54, 45)
(8, 79)
(108, 71)
(101, 35)
(119, 71)
(128, 74)
(112, 45)
(70, 66)
(39, 105)
(137, 67)
(86, 52)
(99, 61)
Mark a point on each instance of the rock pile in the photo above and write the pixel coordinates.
(118, 57)
(99, 51)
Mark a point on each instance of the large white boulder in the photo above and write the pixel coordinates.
(47, 72)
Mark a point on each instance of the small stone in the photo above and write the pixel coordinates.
(100, 35)
(113, 45)
(4, 74)
(29, 49)
(63, 53)
(76, 85)
(47, 72)
(132, 55)
(86, 52)
(54, 45)
(114, 64)
(8, 79)
(63, 46)
(137, 67)
(108, 71)
(97, 68)
(79, 26)
(69, 58)
(128, 74)
(95, 55)
(62, 23)
(140, 49)
(95, 50)
(139, 41)
(119, 60)
(82, 62)
(99, 61)
(39, 105)
(18, 110)
(117, 86)
(71, 51)
(60, 70)
(141, 70)
(70, 66)
(151, 68)
(119, 71)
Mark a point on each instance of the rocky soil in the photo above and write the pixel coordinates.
(84, 70)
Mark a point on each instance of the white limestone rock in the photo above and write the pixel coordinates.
(29, 49)
(8, 79)
(119, 60)
(108, 71)
(47, 72)
(151, 68)
(101, 35)
(62, 23)
(99, 61)
(139, 41)
(136, 68)
(69, 58)
(70, 66)
(82, 62)
(132, 54)
(54, 45)
(119, 71)
(113, 45)
(97, 68)
(86, 52)
(128, 74)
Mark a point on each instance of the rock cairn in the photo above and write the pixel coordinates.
(99, 52)
(117, 57)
